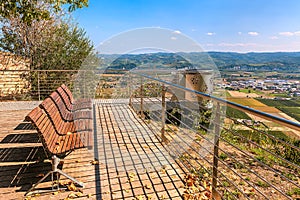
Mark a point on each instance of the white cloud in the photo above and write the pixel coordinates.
(239, 33)
(297, 33)
(252, 33)
(210, 33)
(274, 38)
(177, 32)
(286, 33)
(173, 38)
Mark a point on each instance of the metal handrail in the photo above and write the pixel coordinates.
(267, 116)
(213, 164)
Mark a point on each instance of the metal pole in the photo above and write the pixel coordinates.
(142, 99)
(39, 92)
(215, 193)
(130, 89)
(163, 112)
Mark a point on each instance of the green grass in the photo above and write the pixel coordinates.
(262, 184)
(291, 111)
(248, 91)
(294, 191)
(279, 103)
(283, 95)
(289, 107)
(284, 150)
(236, 114)
(261, 138)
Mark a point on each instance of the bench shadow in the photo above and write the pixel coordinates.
(22, 166)
(25, 126)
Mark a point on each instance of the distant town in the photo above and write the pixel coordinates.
(291, 88)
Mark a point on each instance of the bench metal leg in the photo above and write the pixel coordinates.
(55, 170)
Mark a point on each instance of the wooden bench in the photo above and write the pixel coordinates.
(61, 129)
(82, 103)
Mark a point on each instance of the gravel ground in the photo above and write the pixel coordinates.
(18, 105)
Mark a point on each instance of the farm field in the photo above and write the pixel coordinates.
(255, 104)
(289, 107)
(247, 102)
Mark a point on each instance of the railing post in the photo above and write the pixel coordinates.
(142, 99)
(39, 92)
(215, 193)
(163, 112)
(130, 89)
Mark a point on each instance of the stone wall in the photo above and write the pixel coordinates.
(13, 72)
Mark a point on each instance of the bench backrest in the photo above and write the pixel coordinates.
(60, 127)
(78, 104)
(53, 143)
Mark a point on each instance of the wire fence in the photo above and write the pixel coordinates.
(38, 84)
(253, 158)
(256, 156)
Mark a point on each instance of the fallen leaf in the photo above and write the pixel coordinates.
(89, 195)
(148, 186)
(139, 197)
(126, 190)
(131, 174)
(130, 179)
(40, 175)
(72, 195)
(95, 162)
(72, 187)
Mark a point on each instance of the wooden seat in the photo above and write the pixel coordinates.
(53, 142)
(79, 104)
(61, 129)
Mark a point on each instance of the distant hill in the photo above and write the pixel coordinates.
(279, 61)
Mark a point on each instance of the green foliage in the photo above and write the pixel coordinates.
(262, 184)
(279, 103)
(286, 151)
(150, 89)
(291, 111)
(66, 49)
(223, 156)
(236, 114)
(54, 43)
(294, 191)
(290, 153)
(30, 10)
(290, 107)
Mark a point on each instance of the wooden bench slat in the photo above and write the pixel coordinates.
(62, 124)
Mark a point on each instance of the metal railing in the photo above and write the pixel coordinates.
(38, 84)
(229, 157)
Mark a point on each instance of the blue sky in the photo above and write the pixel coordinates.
(217, 25)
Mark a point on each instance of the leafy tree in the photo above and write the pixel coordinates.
(30, 10)
(56, 43)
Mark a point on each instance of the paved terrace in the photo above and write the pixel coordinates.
(127, 161)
